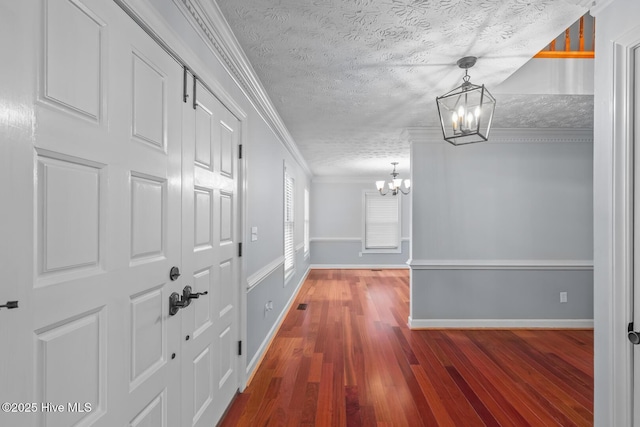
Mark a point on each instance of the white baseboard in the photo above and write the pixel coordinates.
(359, 266)
(500, 323)
(262, 350)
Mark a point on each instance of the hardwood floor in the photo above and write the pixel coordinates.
(349, 359)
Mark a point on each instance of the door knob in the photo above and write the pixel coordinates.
(633, 336)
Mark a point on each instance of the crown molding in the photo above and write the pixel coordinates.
(597, 6)
(594, 6)
(583, 3)
(339, 179)
(206, 18)
(433, 135)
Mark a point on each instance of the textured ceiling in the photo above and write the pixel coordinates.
(348, 76)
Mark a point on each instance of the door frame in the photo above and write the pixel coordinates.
(150, 21)
(621, 274)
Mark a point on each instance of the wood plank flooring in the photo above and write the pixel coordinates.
(349, 359)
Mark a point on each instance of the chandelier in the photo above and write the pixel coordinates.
(466, 111)
(395, 185)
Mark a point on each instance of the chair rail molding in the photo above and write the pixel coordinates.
(264, 272)
(438, 264)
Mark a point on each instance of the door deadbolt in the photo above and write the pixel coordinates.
(174, 273)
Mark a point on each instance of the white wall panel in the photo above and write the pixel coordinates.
(226, 217)
(225, 288)
(73, 57)
(149, 102)
(202, 381)
(226, 151)
(147, 334)
(71, 368)
(202, 211)
(202, 318)
(69, 214)
(225, 367)
(204, 123)
(147, 216)
(154, 414)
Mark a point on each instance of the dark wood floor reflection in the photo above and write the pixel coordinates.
(349, 359)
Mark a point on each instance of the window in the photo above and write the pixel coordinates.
(306, 222)
(289, 225)
(381, 223)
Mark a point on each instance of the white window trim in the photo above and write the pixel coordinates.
(289, 273)
(394, 250)
(307, 224)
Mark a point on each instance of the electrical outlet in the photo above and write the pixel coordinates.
(268, 306)
(563, 297)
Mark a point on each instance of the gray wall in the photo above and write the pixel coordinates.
(336, 224)
(265, 153)
(501, 228)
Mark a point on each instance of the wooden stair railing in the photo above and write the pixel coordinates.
(565, 41)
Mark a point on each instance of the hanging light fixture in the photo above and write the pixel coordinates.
(466, 111)
(395, 185)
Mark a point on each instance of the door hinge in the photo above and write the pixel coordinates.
(240, 249)
(240, 151)
(239, 348)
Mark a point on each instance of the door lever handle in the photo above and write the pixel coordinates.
(10, 305)
(176, 302)
(192, 295)
(187, 295)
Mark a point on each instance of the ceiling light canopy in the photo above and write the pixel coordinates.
(395, 185)
(466, 112)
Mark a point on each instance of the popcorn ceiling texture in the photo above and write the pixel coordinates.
(348, 76)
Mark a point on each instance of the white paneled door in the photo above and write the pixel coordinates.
(210, 254)
(113, 208)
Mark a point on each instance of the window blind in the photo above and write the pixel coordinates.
(306, 221)
(289, 225)
(382, 222)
